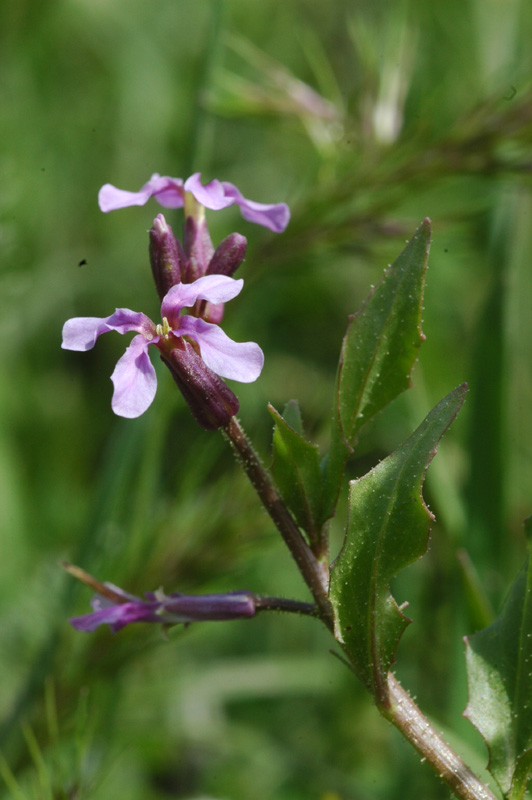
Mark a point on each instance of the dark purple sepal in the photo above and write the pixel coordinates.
(167, 258)
(210, 400)
(198, 249)
(228, 256)
(165, 609)
(211, 607)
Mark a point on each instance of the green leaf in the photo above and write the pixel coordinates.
(499, 667)
(387, 529)
(296, 470)
(378, 352)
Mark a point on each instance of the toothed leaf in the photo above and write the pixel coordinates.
(499, 666)
(378, 352)
(387, 530)
(296, 471)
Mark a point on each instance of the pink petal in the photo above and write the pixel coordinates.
(80, 333)
(274, 216)
(212, 195)
(117, 616)
(124, 321)
(239, 361)
(134, 380)
(214, 288)
(167, 191)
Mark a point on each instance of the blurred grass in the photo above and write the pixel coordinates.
(365, 119)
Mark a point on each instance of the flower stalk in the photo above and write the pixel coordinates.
(114, 607)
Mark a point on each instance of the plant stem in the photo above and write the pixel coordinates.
(314, 572)
(397, 705)
(407, 717)
(282, 604)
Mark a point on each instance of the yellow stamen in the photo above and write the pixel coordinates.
(164, 329)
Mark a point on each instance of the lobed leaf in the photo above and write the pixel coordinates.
(387, 530)
(379, 349)
(296, 470)
(499, 667)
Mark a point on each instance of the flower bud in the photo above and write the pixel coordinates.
(228, 256)
(198, 248)
(210, 400)
(167, 259)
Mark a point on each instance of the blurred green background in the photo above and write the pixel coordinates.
(365, 118)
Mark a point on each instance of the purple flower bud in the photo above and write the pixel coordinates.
(226, 259)
(167, 259)
(117, 608)
(198, 247)
(210, 400)
(228, 256)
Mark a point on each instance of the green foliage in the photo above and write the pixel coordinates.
(499, 665)
(387, 530)
(296, 470)
(418, 115)
(378, 352)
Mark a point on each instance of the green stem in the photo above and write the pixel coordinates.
(314, 572)
(395, 705)
(407, 717)
(288, 606)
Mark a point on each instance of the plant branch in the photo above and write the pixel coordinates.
(282, 604)
(314, 572)
(403, 712)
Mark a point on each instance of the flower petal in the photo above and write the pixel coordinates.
(80, 333)
(167, 191)
(274, 216)
(214, 288)
(240, 361)
(117, 616)
(220, 194)
(134, 380)
(212, 195)
(125, 321)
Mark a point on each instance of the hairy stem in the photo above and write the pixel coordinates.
(396, 705)
(282, 604)
(314, 572)
(407, 717)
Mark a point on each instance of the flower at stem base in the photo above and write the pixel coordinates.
(134, 377)
(116, 608)
(171, 609)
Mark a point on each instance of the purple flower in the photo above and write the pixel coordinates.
(118, 608)
(171, 193)
(134, 378)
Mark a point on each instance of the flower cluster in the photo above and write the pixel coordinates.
(194, 276)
